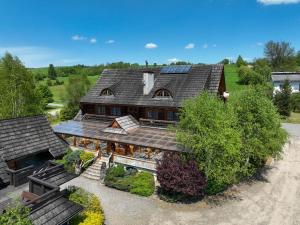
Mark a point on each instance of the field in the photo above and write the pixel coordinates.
(231, 78)
(58, 90)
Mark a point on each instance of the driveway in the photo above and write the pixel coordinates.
(273, 200)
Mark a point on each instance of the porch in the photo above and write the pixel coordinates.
(140, 147)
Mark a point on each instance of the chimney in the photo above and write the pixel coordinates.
(148, 79)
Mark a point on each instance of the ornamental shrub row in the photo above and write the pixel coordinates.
(140, 183)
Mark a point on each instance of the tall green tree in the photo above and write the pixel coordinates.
(283, 99)
(76, 88)
(46, 94)
(240, 61)
(259, 122)
(52, 72)
(209, 128)
(18, 94)
(281, 55)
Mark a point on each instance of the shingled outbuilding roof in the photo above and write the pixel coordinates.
(127, 85)
(55, 212)
(21, 137)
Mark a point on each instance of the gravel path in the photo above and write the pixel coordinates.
(271, 201)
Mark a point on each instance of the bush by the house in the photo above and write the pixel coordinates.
(18, 215)
(68, 112)
(210, 129)
(72, 157)
(230, 141)
(259, 123)
(140, 183)
(177, 176)
(93, 212)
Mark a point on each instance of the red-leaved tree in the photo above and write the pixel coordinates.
(178, 176)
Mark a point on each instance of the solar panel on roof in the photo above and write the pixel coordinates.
(176, 69)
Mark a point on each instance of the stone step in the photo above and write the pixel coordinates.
(91, 177)
(95, 170)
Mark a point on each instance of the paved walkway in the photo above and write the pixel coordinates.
(273, 201)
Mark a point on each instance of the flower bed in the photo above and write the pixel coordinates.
(93, 212)
(140, 183)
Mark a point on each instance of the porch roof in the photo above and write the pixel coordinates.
(142, 136)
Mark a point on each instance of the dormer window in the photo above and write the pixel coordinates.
(106, 92)
(163, 94)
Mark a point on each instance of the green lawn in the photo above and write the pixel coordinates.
(231, 78)
(58, 90)
(294, 118)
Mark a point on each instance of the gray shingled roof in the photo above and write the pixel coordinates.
(126, 123)
(55, 212)
(127, 85)
(142, 136)
(21, 137)
(282, 76)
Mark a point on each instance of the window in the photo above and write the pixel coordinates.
(152, 115)
(172, 116)
(100, 110)
(106, 92)
(163, 94)
(116, 111)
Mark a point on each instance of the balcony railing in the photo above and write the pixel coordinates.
(157, 123)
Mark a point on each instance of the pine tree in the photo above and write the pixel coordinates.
(51, 72)
(240, 61)
(283, 99)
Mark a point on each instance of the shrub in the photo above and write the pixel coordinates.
(49, 82)
(179, 177)
(209, 128)
(295, 102)
(259, 122)
(73, 157)
(142, 184)
(86, 156)
(93, 213)
(68, 112)
(283, 99)
(18, 215)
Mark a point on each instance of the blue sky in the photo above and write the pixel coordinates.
(68, 32)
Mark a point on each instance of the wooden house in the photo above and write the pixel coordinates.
(126, 113)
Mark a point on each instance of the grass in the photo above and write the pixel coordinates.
(294, 118)
(58, 90)
(232, 78)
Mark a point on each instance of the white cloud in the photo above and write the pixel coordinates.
(151, 45)
(93, 40)
(278, 2)
(205, 46)
(259, 44)
(190, 46)
(110, 42)
(214, 45)
(78, 37)
(173, 60)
